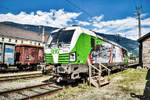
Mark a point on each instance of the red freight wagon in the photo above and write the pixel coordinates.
(28, 56)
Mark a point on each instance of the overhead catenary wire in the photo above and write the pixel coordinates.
(82, 10)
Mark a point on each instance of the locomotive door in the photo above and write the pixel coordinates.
(92, 43)
(93, 58)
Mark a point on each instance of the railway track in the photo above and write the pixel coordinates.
(16, 77)
(31, 92)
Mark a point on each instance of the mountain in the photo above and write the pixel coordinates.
(34, 28)
(130, 45)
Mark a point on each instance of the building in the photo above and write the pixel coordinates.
(14, 35)
(144, 51)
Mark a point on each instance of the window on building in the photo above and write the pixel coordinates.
(16, 41)
(9, 40)
(2, 38)
(39, 44)
(34, 43)
(21, 41)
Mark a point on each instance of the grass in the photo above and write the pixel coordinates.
(71, 92)
(132, 80)
(122, 84)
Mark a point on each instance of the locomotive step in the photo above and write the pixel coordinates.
(104, 83)
(95, 82)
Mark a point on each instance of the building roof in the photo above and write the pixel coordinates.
(13, 32)
(144, 37)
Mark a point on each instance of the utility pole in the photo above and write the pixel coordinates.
(43, 35)
(139, 21)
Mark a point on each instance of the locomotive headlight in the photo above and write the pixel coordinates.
(73, 56)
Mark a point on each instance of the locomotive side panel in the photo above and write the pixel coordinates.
(82, 48)
(101, 53)
(108, 53)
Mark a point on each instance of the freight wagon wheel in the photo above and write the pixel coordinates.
(3, 67)
(20, 67)
(32, 67)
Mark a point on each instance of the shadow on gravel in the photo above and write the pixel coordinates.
(49, 80)
(146, 94)
(64, 83)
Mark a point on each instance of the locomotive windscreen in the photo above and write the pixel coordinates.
(62, 36)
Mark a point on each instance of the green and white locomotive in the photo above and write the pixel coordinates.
(71, 49)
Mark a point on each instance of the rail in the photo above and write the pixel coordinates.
(16, 77)
(38, 94)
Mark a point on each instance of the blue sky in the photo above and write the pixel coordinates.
(106, 16)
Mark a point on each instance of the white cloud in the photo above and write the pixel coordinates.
(97, 18)
(53, 18)
(84, 23)
(127, 27)
(119, 25)
(146, 21)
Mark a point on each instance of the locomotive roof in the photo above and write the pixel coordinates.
(89, 32)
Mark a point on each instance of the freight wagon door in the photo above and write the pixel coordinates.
(9, 54)
(1, 52)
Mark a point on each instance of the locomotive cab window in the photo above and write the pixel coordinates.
(62, 36)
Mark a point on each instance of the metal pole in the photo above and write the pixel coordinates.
(139, 22)
(89, 75)
(3, 48)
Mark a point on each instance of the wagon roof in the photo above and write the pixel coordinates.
(28, 45)
(13, 32)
